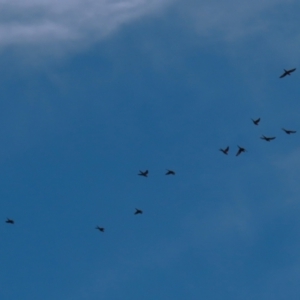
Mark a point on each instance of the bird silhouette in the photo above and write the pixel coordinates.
(170, 172)
(241, 149)
(145, 173)
(10, 221)
(256, 121)
(225, 151)
(289, 131)
(138, 211)
(100, 228)
(287, 72)
(268, 139)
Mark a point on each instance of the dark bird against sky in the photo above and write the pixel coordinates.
(138, 211)
(170, 172)
(256, 121)
(10, 221)
(241, 149)
(145, 173)
(225, 151)
(100, 228)
(287, 72)
(268, 139)
(289, 131)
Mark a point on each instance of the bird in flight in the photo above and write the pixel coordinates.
(145, 173)
(10, 221)
(100, 228)
(138, 211)
(268, 139)
(225, 151)
(170, 172)
(289, 131)
(287, 72)
(256, 121)
(241, 149)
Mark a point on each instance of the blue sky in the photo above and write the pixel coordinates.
(92, 92)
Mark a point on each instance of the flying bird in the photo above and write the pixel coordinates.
(138, 211)
(225, 151)
(145, 173)
(10, 221)
(170, 172)
(268, 139)
(100, 228)
(287, 72)
(241, 149)
(256, 121)
(289, 131)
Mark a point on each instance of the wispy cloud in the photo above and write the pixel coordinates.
(65, 23)
(46, 22)
(235, 19)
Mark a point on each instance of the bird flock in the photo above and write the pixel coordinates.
(256, 122)
(137, 210)
(225, 151)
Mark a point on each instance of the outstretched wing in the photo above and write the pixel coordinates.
(289, 131)
(283, 75)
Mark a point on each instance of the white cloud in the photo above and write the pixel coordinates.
(63, 24)
(36, 22)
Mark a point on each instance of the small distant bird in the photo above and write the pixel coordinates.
(100, 228)
(289, 131)
(170, 172)
(138, 211)
(287, 72)
(225, 151)
(241, 149)
(256, 121)
(268, 139)
(145, 173)
(10, 221)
